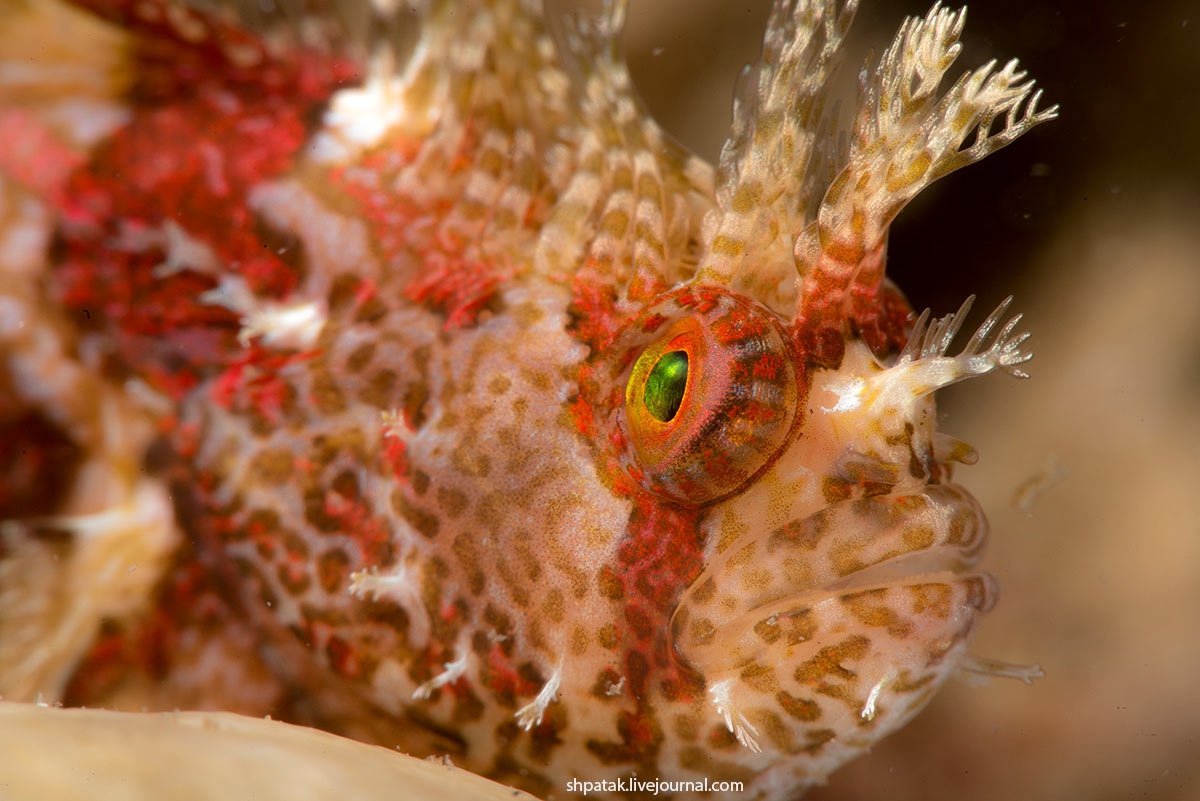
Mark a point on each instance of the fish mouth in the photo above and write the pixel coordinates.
(939, 565)
(809, 566)
(929, 564)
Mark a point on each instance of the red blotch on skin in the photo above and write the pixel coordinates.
(206, 127)
(700, 299)
(264, 537)
(758, 412)
(186, 438)
(343, 658)
(583, 417)
(653, 322)
(659, 556)
(881, 316)
(370, 533)
(187, 602)
(456, 284)
(395, 455)
(395, 446)
(731, 329)
(636, 731)
(102, 668)
(885, 322)
(366, 290)
(502, 678)
(846, 296)
(594, 317)
(188, 596)
(173, 384)
(768, 366)
(820, 345)
(252, 382)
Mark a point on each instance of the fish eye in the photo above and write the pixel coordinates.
(711, 399)
(666, 385)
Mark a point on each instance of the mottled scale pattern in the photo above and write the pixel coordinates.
(440, 399)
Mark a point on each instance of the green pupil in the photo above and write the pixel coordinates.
(665, 386)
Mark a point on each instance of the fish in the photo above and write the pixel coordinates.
(387, 369)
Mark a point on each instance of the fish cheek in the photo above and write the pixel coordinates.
(819, 637)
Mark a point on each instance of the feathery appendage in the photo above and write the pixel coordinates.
(905, 137)
(786, 180)
(923, 365)
(934, 340)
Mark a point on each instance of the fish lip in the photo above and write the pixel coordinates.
(903, 568)
(941, 563)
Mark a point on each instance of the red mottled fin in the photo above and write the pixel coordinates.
(449, 274)
(214, 114)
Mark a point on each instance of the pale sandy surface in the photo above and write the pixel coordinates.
(75, 754)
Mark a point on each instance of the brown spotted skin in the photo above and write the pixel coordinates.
(384, 336)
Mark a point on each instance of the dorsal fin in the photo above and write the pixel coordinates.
(635, 199)
(526, 149)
